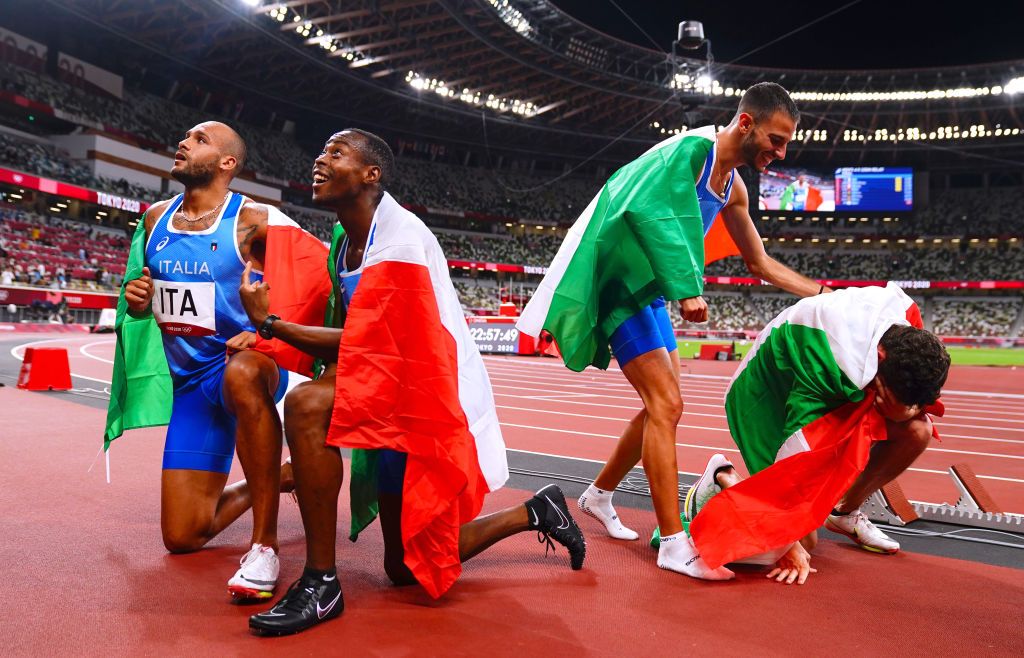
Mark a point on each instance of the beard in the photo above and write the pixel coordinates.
(195, 175)
(749, 151)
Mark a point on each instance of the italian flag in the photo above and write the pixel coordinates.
(812, 202)
(410, 378)
(641, 237)
(140, 388)
(801, 410)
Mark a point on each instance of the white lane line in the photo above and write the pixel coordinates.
(524, 365)
(941, 424)
(84, 349)
(718, 429)
(610, 436)
(528, 383)
(21, 348)
(945, 436)
(686, 414)
(995, 411)
(524, 362)
(912, 469)
(19, 357)
(575, 459)
(634, 409)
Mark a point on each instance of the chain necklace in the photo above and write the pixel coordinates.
(185, 218)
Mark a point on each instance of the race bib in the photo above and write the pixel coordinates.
(185, 308)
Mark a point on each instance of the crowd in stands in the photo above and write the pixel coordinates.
(51, 162)
(970, 317)
(52, 253)
(749, 311)
(497, 193)
(935, 263)
(160, 123)
(528, 249)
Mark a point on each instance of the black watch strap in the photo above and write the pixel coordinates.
(266, 329)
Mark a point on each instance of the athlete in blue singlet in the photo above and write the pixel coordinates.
(645, 344)
(196, 249)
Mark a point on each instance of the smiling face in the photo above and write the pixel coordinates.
(201, 155)
(765, 141)
(340, 172)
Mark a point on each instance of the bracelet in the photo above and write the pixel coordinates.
(821, 289)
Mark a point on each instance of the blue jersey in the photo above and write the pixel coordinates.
(710, 203)
(349, 281)
(195, 302)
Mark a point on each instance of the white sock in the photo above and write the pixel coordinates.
(677, 553)
(598, 504)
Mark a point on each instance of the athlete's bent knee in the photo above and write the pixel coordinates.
(178, 541)
(307, 406)
(245, 372)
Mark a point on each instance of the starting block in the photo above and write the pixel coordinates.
(45, 369)
(975, 507)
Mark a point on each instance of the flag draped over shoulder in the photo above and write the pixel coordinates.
(801, 411)
(641, 237)
(140, 389)
(411, 379)
(300, 286)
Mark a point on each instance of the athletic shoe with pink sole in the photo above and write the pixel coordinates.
(257, 576)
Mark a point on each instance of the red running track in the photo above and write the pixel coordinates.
(545, 408)
(85, 574)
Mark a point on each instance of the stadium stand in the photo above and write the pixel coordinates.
(484, 214)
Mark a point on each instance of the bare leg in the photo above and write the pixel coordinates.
(889, 458)
(653, 377)
(319, 469)
(250, 382)
(474, 537)
(195, 506)
(629, 450)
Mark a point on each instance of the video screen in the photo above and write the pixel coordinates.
(874, 188)
(796, 190)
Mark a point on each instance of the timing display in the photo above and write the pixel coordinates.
(495, 338)
(874, 188)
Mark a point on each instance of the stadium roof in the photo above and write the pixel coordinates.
(523, 76)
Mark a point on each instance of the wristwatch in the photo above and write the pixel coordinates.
(266, 329)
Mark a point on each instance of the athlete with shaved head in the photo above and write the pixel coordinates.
(197, 244)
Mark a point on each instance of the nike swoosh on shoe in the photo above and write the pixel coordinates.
(564, 520)
(320, 612)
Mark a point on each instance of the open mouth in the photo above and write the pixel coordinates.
(179, 157)
(319, 179)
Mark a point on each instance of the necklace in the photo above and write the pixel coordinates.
(181, 213)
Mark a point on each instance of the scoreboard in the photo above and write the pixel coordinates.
(492, 338)
(874, 189)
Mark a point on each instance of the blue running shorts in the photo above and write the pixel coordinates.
(201, 434)
(390, 471)
(645, 332)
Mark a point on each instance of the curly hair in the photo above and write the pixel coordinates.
(915, 366)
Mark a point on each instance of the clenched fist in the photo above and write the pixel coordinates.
(139, 292)
(694, 309)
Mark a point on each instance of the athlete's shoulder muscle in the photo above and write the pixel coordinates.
(154, 213)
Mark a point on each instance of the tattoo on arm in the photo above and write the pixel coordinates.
(245, 236)
(254, 217)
